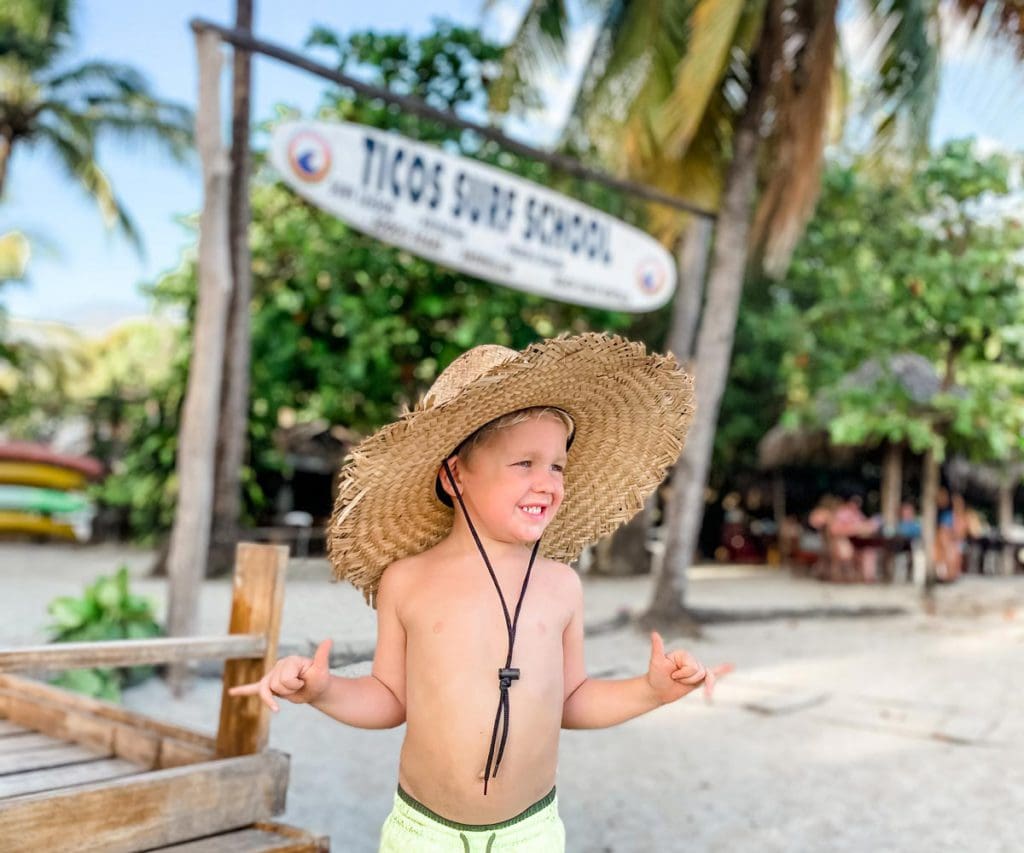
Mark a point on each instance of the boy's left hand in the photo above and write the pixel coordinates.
(673, 675)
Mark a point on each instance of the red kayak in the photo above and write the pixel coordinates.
(24, 451)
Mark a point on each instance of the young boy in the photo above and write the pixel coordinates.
(457, 522)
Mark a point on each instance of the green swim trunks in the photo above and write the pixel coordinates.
(413, 828)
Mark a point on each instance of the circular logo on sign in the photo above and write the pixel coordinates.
(650, 276)
(310, 156)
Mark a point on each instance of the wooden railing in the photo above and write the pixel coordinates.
(249, 648)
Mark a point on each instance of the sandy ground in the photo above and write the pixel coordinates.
(902, 732)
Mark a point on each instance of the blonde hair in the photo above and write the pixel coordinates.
(465, 449)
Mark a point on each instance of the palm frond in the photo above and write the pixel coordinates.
(801, 99)
(132, 118)
(115, 96)
(636, 75)
(34, 33)
(697, 177)
(574, 133)
(698, 73)
(654, 34)
(996, 20)
(539, 42)
(905, 80)
(119, 77)
(77, 155)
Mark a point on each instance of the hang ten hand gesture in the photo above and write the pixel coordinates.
(673, 675)
(297, 679)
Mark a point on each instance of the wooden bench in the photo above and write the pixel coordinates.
(78, 774)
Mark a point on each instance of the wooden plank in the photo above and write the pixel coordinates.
(29, 740)
(256, 602)
(259, 838)
(111, 737)
(28, 688)
(152, 749)
(174, 753)
(322, 842)
(66, 776)
(131, 652)
(148, 810)
(9, 728)
(90, 721)
(46, 756)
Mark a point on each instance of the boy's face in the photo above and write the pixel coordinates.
(512, 483)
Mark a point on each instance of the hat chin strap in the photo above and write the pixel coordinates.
(507, 674)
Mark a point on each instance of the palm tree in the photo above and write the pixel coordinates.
(727, 102)
(67, 109)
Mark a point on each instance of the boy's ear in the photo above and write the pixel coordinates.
(444, 487)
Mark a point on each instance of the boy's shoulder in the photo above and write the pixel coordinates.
(395, 573)
(561, 575)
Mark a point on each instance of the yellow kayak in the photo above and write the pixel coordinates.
(40, 474)
(28, 524)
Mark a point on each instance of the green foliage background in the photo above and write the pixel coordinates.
(931, 262)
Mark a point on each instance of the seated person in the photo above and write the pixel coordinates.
(909, 524)
(849, 520)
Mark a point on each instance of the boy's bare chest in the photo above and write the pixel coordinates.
(466, 620)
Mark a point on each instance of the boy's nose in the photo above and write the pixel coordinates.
(548, 482)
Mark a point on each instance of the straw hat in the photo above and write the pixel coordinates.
(631, 411)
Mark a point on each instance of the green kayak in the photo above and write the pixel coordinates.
(45, 501)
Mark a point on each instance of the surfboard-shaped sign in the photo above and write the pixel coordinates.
(473, 217)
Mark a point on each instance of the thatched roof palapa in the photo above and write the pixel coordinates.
(781, 447)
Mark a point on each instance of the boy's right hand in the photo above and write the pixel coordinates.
(294, 678)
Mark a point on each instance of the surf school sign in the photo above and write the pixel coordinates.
(472, 217)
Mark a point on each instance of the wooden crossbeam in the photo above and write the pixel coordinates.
(132, 652)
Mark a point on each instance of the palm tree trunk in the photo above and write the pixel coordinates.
(190, 535)
(234, 401)
(626, 552)
(685, 510)
(693, 264)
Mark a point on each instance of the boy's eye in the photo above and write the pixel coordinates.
(556, 467)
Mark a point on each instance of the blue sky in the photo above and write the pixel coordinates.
(86, 276)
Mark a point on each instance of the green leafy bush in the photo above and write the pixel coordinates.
(107, 611)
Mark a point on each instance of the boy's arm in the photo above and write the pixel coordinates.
(375, 701)
(592, 703)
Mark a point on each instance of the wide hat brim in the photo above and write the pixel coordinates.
(631, 411)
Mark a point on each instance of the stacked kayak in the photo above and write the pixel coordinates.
(40, 492)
